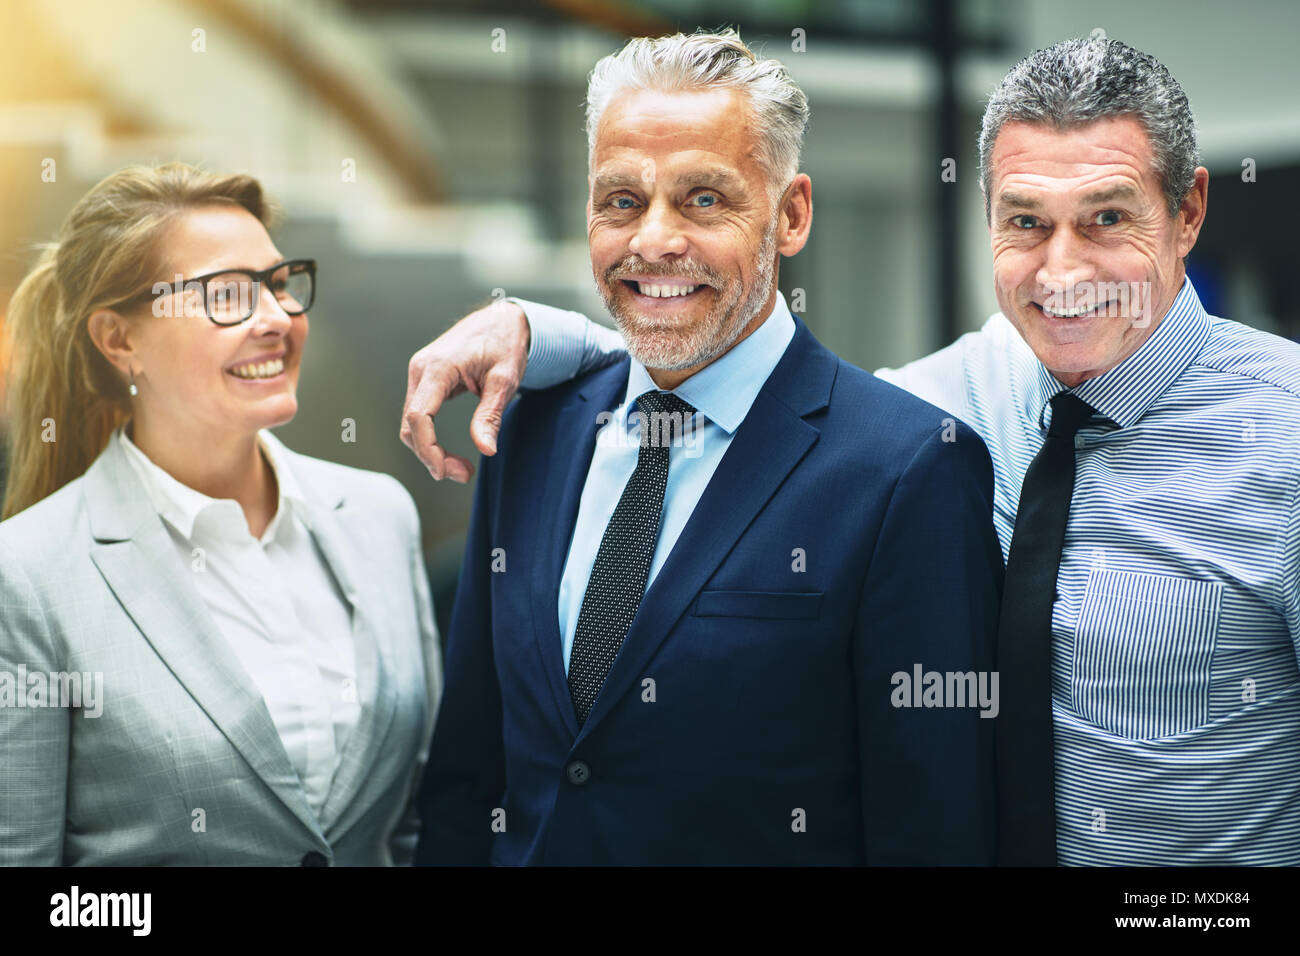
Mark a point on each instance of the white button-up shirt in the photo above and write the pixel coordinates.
(278, 606)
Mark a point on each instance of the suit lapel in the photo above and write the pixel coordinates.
(137, 559)
(767, 446)
(575, 426)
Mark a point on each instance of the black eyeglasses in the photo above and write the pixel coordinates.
(230, 296)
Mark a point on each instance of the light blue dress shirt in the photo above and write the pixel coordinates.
(1176, 636)
(722, 393)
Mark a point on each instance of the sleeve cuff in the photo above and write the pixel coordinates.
(556, 339)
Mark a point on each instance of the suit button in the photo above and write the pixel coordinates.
(578, 772)
(315, 859)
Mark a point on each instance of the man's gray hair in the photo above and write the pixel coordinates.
(1082, 80)
(704, 61)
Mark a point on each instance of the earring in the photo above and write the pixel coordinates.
(131, 388)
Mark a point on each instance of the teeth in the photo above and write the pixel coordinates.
(259, 369)
(1067, 315)
(664, 291)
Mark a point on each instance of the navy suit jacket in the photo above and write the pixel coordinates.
(750, 715)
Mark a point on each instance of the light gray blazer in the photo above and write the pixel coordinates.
(184, 765)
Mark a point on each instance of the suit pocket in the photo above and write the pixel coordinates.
(1143, 649)
(785, 605)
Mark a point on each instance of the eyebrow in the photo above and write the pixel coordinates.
(1110, 195)
(1018, 201)
(715, 176)
(616, 181)
(709, 176)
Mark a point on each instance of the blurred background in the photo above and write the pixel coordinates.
(430, 155)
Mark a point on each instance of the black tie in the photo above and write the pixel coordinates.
(1026, 756)
(618, 577)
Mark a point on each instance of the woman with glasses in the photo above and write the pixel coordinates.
(213, 650)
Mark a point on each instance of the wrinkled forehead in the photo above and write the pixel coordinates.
(660, 136)
(1110, 158)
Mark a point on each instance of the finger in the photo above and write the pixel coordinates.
(458, 469)
(434, 388)
(498, 388)
(414, 373)
(435, 458)
(424, 438)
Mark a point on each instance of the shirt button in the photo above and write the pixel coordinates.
(1079, 441)
(578, 773)
(315, 859)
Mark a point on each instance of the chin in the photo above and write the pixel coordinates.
(666, 352)
(275, 412)
(1072, 361)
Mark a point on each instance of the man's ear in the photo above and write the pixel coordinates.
(1192, 211)
(796, 216)
(111, 334)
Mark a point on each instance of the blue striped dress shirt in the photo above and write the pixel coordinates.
(1176, 634)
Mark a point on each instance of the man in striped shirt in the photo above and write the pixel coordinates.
(1175, 633)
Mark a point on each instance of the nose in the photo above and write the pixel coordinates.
(659, 233)
(270, 314)
(1065, 262)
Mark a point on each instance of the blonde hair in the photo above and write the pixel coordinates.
(108, 248)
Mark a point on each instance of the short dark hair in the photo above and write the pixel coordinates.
(1086, 79)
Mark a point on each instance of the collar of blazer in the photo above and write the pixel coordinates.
(116, 512)
(773, 438)
(137, 558)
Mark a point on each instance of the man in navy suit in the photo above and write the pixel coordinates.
(731, 600)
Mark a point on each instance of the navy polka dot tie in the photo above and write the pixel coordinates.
(618, 578)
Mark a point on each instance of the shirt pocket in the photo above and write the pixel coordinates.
(1143, 651)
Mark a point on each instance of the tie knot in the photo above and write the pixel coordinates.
(665, 418)
(653, 402)
(1069, 412)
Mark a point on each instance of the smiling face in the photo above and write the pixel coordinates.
(683, 234)
(1086, 257)
(215, 380)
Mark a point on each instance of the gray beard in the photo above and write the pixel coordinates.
(674, 349)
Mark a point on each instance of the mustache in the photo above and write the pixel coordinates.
(694, 272)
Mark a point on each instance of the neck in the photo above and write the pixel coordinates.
(668, 379)
(226, 466)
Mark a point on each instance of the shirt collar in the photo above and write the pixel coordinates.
(1124, 393)
(180, 505)
(724, 390)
